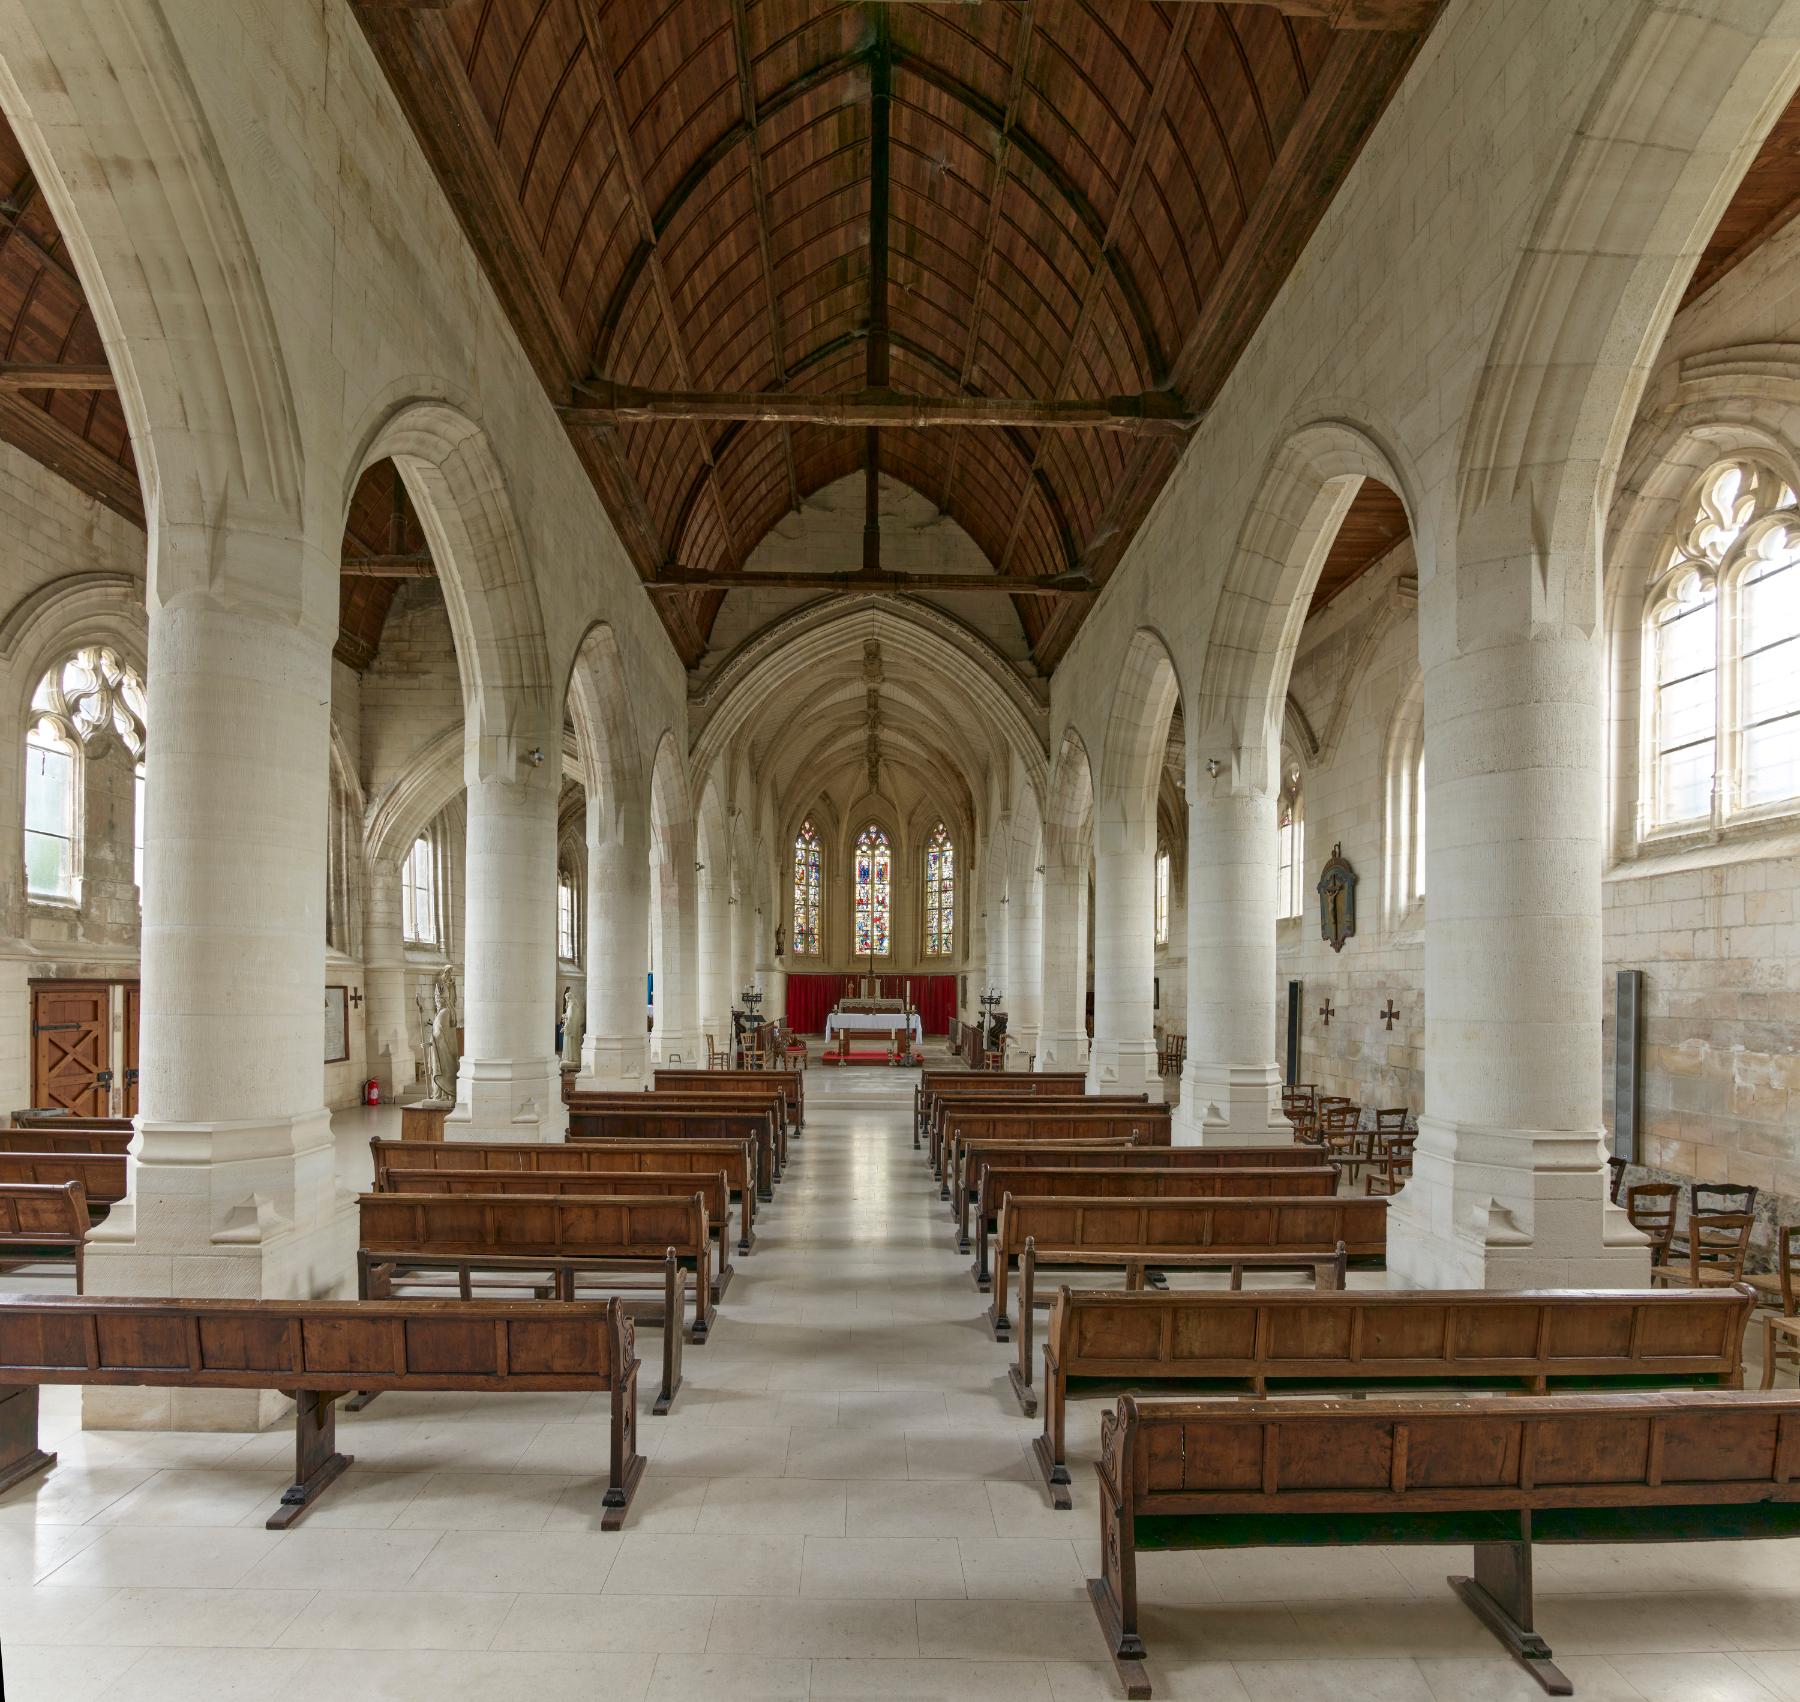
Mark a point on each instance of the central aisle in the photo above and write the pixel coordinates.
(840, 1505)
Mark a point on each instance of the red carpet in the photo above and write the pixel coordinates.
(870, 1055)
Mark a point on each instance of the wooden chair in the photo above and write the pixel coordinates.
(1391, 1119)
(1651, 1208)
(1615, 1170)
(1340, 1125)
(1716, 1245)
(1390, 1162)
(715, 1059)
(1171, 1055)
(1781, 1286)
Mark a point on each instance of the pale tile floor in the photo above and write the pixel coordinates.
(839, 1506)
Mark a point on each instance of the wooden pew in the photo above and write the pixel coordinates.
(1035, 1084)
(945, 1105)
(598, 1158)
(40, 1220)
(791, 1082)
(507, 1240)
(317, 1350)
(1146, 1125)
(68, 1120)
(1697, 1465)
(1112, 1155)
(101, 1174)
(760, 1094)
(641, 1184)
(1526, 1341)
(39, 1139)
(1001, 1179)
(679, 1123)
(1125, 1232)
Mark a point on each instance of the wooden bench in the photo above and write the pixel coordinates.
(1001, 1179)
(760, 1094)
(1143, 1230)
(68, 1120)
(548, 1243)
(639, 1122)
(101, 1174)
(1500, 1474)
(598, 1158)
(639, 1184)
(317, 1350)
(37, 1139)
(1038, 1084)
(946, 1105)
(792, 1084)
(1523, 1341)
(1111, 1155)
(1145, 1125)
(43, 1222)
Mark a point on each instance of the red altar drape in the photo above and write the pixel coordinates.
(811, 996)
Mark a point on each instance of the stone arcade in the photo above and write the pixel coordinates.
(794, 597)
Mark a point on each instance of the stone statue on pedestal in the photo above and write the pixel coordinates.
(440, 1056)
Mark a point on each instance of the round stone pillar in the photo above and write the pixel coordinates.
(392, 1023)
(510, 1086)
(1123, 1059)
(615, 1052)
(1231, 1082)
(1025, 956)
(1062, 1037)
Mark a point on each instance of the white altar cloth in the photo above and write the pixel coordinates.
(874, 1022)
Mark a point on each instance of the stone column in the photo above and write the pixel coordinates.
(615, 1052)
(715, 958)
(676, 1041)
(1231, 1082)
(1124, 1051)
(1062, 1038)
(235, 1189)
(1025, 960)
(509, 1086)
(1509, 1185)
(392, 1022)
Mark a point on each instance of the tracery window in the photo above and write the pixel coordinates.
(1162, 898)
(1722, 642)
(91, 695)
(940, 893)
(566, 933)
(418, 893)
(1290, 849)
(806, 890)
(874, 885)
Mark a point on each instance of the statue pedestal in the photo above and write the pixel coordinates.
(423, 1122)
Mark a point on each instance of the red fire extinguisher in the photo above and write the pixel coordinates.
(371, 1092)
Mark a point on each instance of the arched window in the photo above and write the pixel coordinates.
(1418, 835)
(567, 936)
(418, 893)
(874, 882)
(91, 696)
(1722, 654)
(806, 890)
(1162, 897)
(940, 893)
(1290, 848)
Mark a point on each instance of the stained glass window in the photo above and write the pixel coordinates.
(874, 884)
(940, 893)
(806, 891)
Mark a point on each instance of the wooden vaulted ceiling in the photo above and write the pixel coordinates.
(1079, 198)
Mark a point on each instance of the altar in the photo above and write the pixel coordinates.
(844, 1020)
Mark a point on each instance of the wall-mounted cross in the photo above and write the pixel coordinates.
(356, 998)
(1390, 1016)
(1327, 1013)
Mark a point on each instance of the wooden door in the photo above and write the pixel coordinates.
(130, 1106)
(71, 1032)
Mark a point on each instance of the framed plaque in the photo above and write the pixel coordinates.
(337, 1025)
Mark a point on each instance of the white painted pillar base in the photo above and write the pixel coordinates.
(1124, 1066)
(509, 1086)
(234, 1189)
(1062, 1049)
(1230, 1105)
(615, 1051)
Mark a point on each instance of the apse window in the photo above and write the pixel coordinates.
(1162, 898)
(806, 891)
(1722, 640)
(874, 892)
(940, 893)
(418, 893)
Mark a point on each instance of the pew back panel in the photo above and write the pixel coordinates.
(101, 1175)
(39, 1219)
(85, 1139)
(682, 1125)
(792, 1084)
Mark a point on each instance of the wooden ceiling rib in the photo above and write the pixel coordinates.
(677, 195)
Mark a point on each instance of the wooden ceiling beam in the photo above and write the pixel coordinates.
(673, 580)
(612, 100)
(877, 367)
(1157, 412)
(45, 438)
(29, 375)
(759, 196)
(404, 566)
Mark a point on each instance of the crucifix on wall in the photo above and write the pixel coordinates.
(1326, 1012)
(1390, 1016)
